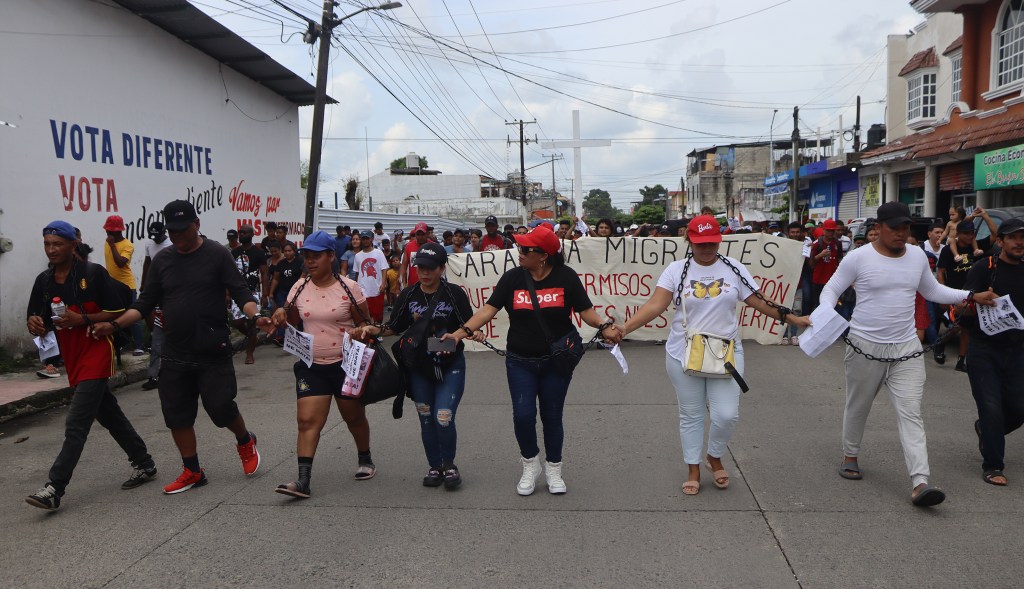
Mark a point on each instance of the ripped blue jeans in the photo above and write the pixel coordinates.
(436, 404)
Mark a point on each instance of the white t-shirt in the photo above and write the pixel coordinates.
(885, 292)
(377, 239)
(371, 266)
(153, 248)
(710, 295)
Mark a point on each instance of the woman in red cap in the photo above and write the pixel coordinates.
(539, 298)
(705, 288)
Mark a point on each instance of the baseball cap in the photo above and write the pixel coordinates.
(430, 255)
(829, 225)
(965, 227)
(490, 220)
(318, 241)
(1011, 226)
(232, 234)
(541, 237)
(809, 225)
(421, 226)
(61, 229)
(703, 229)
(893, 214)
(156, 227)
(378, 225)
(664, 229)
(508, 227)
(366, 233)
(114, 223)
(634, 226)
(179, 214)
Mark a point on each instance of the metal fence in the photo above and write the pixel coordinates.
(328, 219)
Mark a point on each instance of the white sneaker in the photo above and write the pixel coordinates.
(531, 470)
(794, 341)
(553, 472)
(785, 341)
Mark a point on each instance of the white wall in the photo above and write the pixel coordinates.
(105, 68)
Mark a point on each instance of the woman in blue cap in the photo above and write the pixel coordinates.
(323, 305)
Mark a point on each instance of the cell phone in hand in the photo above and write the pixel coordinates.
(435, 344)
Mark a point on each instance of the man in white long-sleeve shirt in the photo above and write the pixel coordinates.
(887, 275)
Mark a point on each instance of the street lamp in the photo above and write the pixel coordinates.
(316, 141)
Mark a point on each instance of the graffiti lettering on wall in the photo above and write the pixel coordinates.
(205, 200)
(248, 202)
(259, 226)
(89, 194)
(93, 144)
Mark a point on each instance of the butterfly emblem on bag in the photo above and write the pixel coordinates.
(703, 290)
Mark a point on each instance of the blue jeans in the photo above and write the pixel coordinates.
(995, 376)
(436, 404)
(530, 381)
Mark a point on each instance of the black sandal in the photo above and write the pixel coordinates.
(294, 489)
(989, 477)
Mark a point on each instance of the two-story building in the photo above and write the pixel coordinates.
(956, 110)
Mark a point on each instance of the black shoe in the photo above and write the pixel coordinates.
(149, 385)
(433, 478)
(961, 364)
(140, 476)
(452, 478)
(939, 355)
(45, 498)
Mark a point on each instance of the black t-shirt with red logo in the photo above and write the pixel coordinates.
(559, 293)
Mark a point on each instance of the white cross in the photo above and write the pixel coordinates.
(577, 162)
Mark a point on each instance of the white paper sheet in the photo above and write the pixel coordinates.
(617, 354)
(299, 344)
(47, 344)
(826, 327)
(1003, 316)
(356, 364)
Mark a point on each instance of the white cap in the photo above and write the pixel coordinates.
(634, 226)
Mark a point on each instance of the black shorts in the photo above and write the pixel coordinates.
(181, 385)
(318, 380)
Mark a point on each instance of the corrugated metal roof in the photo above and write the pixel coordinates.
(193, 26)
(328, 219)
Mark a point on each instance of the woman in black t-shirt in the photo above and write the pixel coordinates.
(436, 379)
(534, 376)
(284, 274)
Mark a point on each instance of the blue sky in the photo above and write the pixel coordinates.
(656, 77)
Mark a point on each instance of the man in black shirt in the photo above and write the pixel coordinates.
(952, 271)
(188, 282)
(997, 361)
(251, 262)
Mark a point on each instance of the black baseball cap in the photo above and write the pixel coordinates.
(430, 255)
(965, 227)
(1011, 226)
(179, 214)
(378, 225)
(893, 214)
(232, 234)
(490, 220)
(156, 227)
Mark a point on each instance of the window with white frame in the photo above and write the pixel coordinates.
(921, 96)
(1010, 44)
(957, 61)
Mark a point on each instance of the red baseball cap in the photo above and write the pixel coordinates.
(114, 223)
(541, 236)
(703, 229)
(829, 225)
(421, 226)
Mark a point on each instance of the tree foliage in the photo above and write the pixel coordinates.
(598, 205)
(399, 164)
(653, 194)
(649, 214)
(353, 199)
(304, 174)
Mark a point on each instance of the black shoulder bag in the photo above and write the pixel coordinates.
(385, 379)
(567, 350)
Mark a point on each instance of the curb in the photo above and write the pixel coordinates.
(44, 400)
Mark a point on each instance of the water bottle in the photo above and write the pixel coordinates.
(58, 308)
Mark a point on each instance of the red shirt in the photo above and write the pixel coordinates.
(413, 246)
(492, 243)
(825, 267)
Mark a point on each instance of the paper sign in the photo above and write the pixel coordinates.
(826, 327)
(47, 345)
(356, 364)
(299, 344)
(1003, 316)
(617, 354)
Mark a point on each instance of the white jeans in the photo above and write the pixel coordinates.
(720, 395)
(905, 381)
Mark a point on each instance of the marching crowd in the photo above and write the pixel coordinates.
(894, 294)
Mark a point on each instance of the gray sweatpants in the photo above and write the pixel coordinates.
(905, 381)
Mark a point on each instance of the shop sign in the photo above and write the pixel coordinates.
(999, 168)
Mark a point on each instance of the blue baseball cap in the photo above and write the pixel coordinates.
(318, 241)
(61, 229)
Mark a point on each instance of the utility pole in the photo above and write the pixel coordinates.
(796, 164)
(323, 32)
(522, 159)
(856, 129)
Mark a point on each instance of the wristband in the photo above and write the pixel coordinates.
(469, 332)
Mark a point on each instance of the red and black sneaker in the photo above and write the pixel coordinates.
(186, 481)
(250, 455)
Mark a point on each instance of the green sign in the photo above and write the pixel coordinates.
(999, 168)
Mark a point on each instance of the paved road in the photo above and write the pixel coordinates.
(788, 520)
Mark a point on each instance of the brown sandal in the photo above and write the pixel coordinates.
(721, 477)
(691, 487)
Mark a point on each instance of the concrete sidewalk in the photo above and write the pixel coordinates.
(787, 520)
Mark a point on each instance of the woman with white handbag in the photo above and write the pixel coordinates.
(704, 355)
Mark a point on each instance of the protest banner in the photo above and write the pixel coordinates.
(621, 273)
